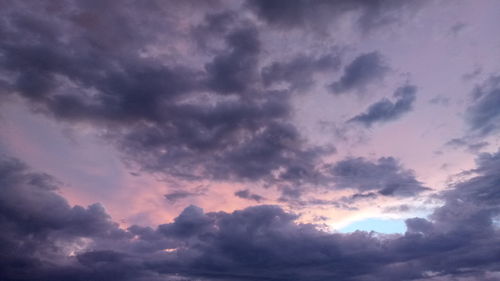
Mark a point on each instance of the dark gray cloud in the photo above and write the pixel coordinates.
(386, 176)
(217, 23)
(191, 222)
(211, 116)
(362, 71)
(51, 240)
(299, 72)
(386, 110)
(246, 194)
(40, 229)
(319, 14)
(483, 116)
(235, 69)
(192, 118)
(30, 198)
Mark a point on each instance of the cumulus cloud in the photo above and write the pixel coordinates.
(233, 71)
(189, 118)
(53, 241)
(362, 71)
(386, 176)
(219, 114)
(386, 110)
(40, 228)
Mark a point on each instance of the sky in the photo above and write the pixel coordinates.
(250, 140)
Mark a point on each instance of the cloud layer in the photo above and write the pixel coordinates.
(51, 240)
(221, 99)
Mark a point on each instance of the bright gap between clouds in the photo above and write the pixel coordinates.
(380, 225)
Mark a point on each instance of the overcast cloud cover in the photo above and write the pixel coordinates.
(232, 140)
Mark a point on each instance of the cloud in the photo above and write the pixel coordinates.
(178, 195)
(362, 71)
(299, 72)
(214, 115)
(483, 115)
(192, 221)
(386, 176)
(457, 28)
(42, 210)
(234, 70)
(472, 74)
(246, 194)
(51, 240)
(440, 100)
(468, 144)
(189, 118)
(40, 229)
(385, 110)
(358, 196)
(320, 14)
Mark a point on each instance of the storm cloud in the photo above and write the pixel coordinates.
(215, 102)
(51, 240)
(183, 120)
